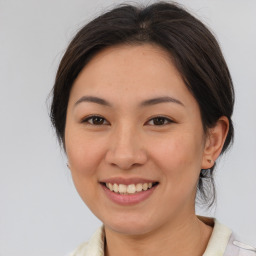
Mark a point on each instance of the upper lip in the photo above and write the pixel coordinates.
(127, 181)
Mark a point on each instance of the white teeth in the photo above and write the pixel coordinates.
(139, 187)
(116, 188)
(122, 189)
(131, 189)
(128, 189)
(145, 186)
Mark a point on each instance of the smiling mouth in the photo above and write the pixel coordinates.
(129, 189)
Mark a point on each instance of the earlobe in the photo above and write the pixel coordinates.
(214, 142)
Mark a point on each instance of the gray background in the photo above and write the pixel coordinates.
(41, 213)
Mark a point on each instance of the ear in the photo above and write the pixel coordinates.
(215, 139)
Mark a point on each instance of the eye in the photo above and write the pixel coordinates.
(159, 120)
(95, 120)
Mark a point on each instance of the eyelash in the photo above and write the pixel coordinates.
(87, 120)
(163, 120)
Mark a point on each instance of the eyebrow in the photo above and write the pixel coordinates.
(159, 100)
(149, 102)
(93, 99)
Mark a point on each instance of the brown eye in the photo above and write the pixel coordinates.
(160, 120)
(95, 120)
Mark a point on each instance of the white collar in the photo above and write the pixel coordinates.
(216, 246)
(219, 240)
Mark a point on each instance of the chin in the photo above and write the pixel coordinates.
(129, 226)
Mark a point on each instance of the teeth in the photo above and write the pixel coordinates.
(128, 189)
(145, 186)
(122, 189)
(131, 189)
(116, 188)
(139, 187)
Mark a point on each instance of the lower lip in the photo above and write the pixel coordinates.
(128, 199)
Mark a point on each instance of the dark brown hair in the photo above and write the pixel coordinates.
(192, 47)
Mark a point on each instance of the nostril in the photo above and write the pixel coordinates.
(125, 160)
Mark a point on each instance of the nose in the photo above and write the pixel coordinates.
(125, 149)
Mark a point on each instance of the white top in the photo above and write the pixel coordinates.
(222, 243)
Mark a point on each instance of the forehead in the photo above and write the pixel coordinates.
(146, 57)
(127, 70)
(149, 51)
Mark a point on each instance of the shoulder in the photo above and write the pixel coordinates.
(224, 242)
(237, 248)
(79, 251)
(94, 247)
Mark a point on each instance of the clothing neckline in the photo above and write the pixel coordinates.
(216, 246)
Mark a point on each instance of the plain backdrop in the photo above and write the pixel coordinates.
(41, 213)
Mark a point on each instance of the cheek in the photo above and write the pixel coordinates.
(84, 153)
(179, 157)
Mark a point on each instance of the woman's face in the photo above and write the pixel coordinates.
(132, 121)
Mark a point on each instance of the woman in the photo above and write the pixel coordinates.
(142, 104)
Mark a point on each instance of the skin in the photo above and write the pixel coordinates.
(128, 143)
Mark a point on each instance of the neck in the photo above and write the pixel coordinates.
(191, 235)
